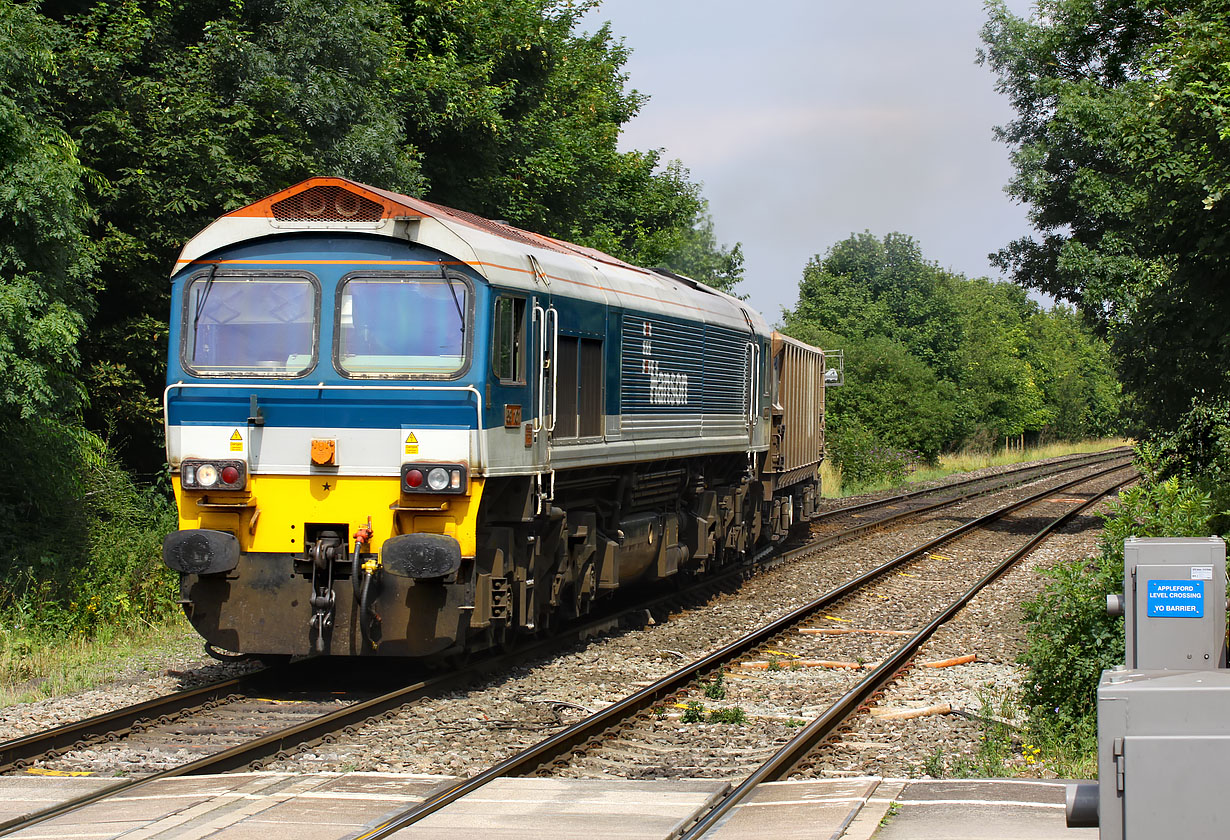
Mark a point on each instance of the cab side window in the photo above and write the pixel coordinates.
(508, 341)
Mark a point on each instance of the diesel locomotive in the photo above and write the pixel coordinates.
(400, 429)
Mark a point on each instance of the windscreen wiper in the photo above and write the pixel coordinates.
(456, 301)
(201, 297)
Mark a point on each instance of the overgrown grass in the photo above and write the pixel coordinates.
(33, 668)
(831, 475)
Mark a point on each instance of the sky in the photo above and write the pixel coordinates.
(809, 120)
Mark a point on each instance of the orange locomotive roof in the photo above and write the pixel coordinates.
(393, 205)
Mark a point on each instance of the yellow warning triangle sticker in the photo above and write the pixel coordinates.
(236, 435)
(410, 438)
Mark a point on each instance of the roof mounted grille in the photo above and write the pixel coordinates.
(327, 204)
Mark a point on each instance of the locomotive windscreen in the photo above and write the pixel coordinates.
(402, 326)
(250, 324)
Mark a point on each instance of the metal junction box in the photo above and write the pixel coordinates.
(1163, 750)
(1176, 615)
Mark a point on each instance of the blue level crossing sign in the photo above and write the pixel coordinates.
(1175, 599)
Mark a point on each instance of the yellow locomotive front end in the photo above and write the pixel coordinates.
(323, 423)
(326, 563)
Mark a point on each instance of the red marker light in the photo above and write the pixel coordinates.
(230, 475)
(414, 478)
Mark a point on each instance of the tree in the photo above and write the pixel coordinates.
(870, 286)
(518, 118)
(699, 256)
(45, 255)
(1122, 151)
(1000, 395)
(936, 360)
(1074, 371)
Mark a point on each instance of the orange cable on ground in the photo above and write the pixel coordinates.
(948, 663)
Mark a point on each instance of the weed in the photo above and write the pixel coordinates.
(894, 808)
(694, 713)
(775, 664)
(33, 666)
(1070, 751)
(731, 715)
(716, 688)
(836, 482)
(995, 707)
(795, 723)
(659, 712)
(934, 765)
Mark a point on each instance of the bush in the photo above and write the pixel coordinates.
(83, 540)
(1070, 639)
(864, 461)
(1198, 451)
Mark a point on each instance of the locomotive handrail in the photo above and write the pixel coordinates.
(478, 398)
(548, 321)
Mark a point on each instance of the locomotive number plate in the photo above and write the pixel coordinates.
(512, 416)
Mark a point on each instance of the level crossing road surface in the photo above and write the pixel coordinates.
(320, 806)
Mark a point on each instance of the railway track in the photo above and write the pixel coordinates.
(849, 521)
(635, 725)
(319, 724)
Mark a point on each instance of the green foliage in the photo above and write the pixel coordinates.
(936, 361)
(1070, 638)
(715, 689)
(733, 715)
(864, 461)
(1121, 147)
(694, 712)
(699, 256)
(45, 255)
(83, 542)
(934, 764)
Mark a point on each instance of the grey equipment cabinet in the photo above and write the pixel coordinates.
(1163, 750)
(1177, 615)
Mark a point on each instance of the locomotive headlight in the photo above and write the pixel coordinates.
(433, 478)
(437, 478)
(213, 475)
(206, 475)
